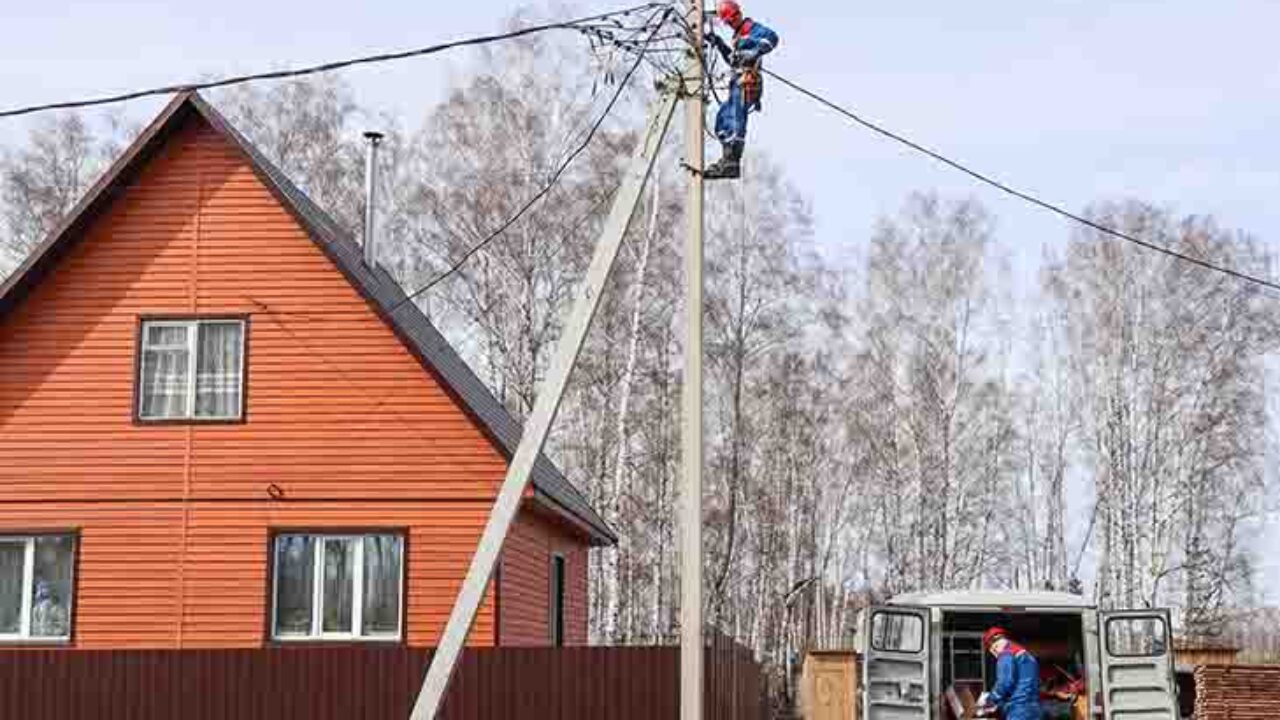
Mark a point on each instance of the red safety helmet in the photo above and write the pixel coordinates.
(730, 12)
(993, 634)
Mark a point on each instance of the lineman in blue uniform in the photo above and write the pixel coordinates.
(1017, 691)
(751, 41)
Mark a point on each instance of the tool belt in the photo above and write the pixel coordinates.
(751, 80)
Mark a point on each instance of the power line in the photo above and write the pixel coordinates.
(576, 24)
(1018, 193)
(555, 178)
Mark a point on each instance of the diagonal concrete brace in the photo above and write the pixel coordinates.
(625, 204)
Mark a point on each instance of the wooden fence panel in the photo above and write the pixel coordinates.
(369, 683)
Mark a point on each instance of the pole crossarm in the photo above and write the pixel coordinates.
(626, 202)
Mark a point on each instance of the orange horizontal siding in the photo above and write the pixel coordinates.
(525, 582)
(340, 415)
(127, 573)
(333, 394)
(139, 584)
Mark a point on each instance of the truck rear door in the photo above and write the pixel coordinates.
(895, 669)
(1137, 666)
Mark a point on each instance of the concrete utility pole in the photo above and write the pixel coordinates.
(625, 203)
(691, 402)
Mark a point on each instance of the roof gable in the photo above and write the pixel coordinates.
(379, 289)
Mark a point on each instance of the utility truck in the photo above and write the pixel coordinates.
(923, 652)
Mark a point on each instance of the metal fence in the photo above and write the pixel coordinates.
(369, 683)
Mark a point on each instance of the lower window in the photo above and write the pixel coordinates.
(36, 587)
(338, 587)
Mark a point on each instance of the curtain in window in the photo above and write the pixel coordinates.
(382, 574)
(165, 366)
(12, 558)
(51, 586)
(218, 370)
(295, 584)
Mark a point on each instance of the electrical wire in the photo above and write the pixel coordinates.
(545, 190)
(1027, 197)
(578, 24)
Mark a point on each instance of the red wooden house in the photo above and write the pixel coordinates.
(220, 428)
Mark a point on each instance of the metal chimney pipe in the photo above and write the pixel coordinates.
(370, 199)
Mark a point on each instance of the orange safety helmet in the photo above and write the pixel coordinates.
(730, 12)
(993, 634)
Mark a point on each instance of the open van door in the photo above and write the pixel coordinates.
(895, 667)
(1137, 665)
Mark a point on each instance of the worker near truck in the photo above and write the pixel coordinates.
(1016, 694)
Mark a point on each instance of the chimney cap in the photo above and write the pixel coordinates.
(373, 135)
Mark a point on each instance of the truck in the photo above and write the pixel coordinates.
(921, 651)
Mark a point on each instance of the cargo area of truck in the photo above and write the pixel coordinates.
(1056, 639)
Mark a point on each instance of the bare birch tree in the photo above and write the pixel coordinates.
(1168, 364)
(41, 181)
(930, 413)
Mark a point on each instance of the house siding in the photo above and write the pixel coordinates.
(525, 584)
(340, 416)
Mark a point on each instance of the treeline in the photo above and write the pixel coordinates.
(875, 426)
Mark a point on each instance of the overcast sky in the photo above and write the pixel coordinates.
(1171, 101)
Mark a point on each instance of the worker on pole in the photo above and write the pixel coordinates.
(751, 42)
(1017, 690)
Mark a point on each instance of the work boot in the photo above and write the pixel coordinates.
(729, 166)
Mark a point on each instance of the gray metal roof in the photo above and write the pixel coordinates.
(992, 599)
(405, 318)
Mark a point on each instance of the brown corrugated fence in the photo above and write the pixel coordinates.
(1238, 692)
(368, 683)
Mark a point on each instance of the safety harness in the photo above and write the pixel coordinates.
(750, 79)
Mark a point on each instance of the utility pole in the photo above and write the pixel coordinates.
(691, 402)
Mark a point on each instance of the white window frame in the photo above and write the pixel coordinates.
(28, 581)
(192, 327)
(318, 633)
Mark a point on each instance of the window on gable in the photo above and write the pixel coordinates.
(36, 587)
(191, 370)
(343, 587)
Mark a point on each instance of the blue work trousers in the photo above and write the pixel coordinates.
(731, 121)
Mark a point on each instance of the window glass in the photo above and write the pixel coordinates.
(191, 369)
(339, 582)
(36, 587)
(295, 584)
(557, 600)
(218, 365)
(165, 367)
(897, 632)
(51, 589)
(331, 586)
(1136, 636)
(382, 575)
(12, 559)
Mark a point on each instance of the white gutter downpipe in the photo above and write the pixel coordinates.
(370, 199)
